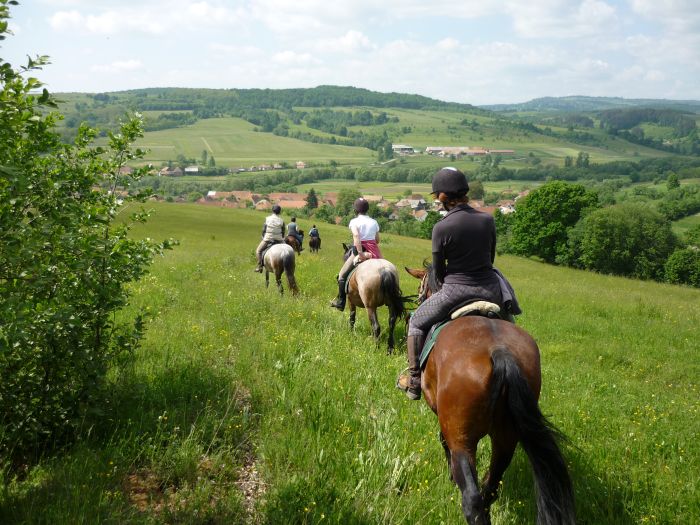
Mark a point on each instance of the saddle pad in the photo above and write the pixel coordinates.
(480, 307)
(483, 308)
(430, 342)
(347, 279)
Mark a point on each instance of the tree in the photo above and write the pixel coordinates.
(672, 181)
(311, 200)
(683, 267)
(205, 156)
(426, 227)
(346, 198)
(212, 161)
(582, 160)
(628, 239)
(65, 264)
(476, 190)
(542, 220)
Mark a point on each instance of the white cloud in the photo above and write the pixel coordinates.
(562, 18)
(351, 42)
(119, 66)
(154, 18)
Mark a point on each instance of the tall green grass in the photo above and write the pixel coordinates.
(231, 374)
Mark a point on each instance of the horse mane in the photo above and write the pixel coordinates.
(433, 283)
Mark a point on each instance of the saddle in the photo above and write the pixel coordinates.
(270, 244)
(469, 307)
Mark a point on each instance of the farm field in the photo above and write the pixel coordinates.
(246, 407)
(233, 143)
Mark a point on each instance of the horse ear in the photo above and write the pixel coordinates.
(345, 247)
(418, 273)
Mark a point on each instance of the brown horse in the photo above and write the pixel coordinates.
(279, 259)
(483, 377)
(294, 242)
(314, 244)
(375, 283)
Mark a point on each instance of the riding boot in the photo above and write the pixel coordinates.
(339, 301)
(410, 382)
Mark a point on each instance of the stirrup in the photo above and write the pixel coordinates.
(412, 393)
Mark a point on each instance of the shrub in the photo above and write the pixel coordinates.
(64, 264)
(683, 267)
(627, 239)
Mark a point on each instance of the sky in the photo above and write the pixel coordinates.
(470, 51)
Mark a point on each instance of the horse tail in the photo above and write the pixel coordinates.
(289, 264)
(555, 497)
(389, 284)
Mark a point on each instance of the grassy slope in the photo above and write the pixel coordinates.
(333, 440)
(233, 142)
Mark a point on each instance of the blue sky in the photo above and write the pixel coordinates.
(471, 51)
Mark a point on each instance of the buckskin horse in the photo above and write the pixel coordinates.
(483, 377)
(279, 259)
(292, 241)
(375, 283)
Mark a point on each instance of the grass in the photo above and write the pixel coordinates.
(233, 379)
(233, 143)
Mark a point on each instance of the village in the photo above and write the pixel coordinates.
(416, 204)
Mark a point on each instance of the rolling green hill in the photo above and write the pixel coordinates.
(246, 407)
(320, 125)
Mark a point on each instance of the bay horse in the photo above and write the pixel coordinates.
(278, 259)
(483, 377)
(375, 283)
(314, 244)
(292, 241)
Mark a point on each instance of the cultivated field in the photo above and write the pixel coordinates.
(247, 407)
(233, 143)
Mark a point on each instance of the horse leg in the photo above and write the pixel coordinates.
(448, 454)
(353, 313)
(463, 465)
(267, 278)
(376, 329)
(392, 325)
(278, 278)
(502, 448)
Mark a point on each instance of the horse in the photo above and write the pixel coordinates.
(278, 259)
(375, 283)
(483, 377)
(314, 244)
(292, 241)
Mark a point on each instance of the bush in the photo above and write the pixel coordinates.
(64, 264)
(627, 239)
(683, 267)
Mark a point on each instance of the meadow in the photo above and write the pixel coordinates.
(246, 407)
(234, 143)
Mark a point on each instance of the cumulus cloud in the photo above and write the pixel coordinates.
(155, 18)
(562, 18)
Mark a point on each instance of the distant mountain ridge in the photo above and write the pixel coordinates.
(584, 103)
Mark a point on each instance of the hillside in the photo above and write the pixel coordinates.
(246, 407)
(586, 104)
(342, 125)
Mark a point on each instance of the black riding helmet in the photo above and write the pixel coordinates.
(361, 205)
(277, 209)
(450, 180)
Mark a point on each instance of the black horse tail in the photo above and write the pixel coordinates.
(389, 283)
(289, 263)
(555, 496)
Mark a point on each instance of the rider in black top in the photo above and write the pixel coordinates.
(464, 247)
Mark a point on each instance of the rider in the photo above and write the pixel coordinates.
(313, 232)
(365, 245)
(272, 233)
(294, 231)
(464, 247)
